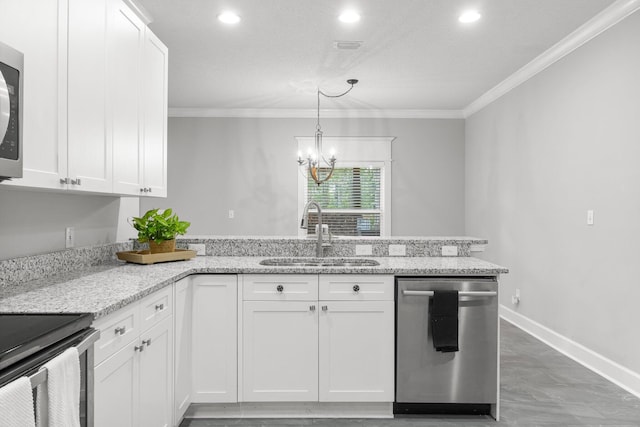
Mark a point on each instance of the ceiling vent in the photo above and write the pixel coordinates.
(347, 45)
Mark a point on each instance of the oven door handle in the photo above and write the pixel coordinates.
(40, 377)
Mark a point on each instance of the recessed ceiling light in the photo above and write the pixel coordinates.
(229, 17)
(349, 16)
(469, 16)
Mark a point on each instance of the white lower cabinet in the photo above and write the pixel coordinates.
(183, 326)
(338, 349)
(280, 346)
(134, 384)
(356, 342)
(214, 360)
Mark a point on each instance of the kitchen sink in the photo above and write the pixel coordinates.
(319, 262)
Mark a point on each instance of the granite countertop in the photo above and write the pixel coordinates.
(104, 289)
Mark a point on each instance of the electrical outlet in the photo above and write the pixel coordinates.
(590, 217)
(364, 249)
(449, 251)
(232, 214)
(515, 299)
(200, 248)
(69, 237)
(397, 250)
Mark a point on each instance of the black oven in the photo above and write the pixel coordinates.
(28, 341)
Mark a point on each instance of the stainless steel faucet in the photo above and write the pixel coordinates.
(304, 224)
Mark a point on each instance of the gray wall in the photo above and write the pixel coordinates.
(34, 222)
(249, 165)
(537, 159)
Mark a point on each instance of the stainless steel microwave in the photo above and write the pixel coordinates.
(11, 78)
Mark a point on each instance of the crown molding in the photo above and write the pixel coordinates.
(596, 25)
(312, 114)
(139, 10)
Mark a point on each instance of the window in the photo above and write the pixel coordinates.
(354, 201)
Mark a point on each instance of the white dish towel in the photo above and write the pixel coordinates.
(62, 391)
(16, 404)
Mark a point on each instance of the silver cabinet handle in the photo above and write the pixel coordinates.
(139, 348)
(325, 308)
(312, 307)
(280, 288)
(147, 342)
(64, 180)
(142, 189)
(76, 182)
(120, 330)
(356, 288)
(149, 189)
(159, 307)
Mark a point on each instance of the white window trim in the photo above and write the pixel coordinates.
(353, 152)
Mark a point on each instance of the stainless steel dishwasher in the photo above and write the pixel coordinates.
(429, 381)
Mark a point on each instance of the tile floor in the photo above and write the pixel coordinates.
(539, 387)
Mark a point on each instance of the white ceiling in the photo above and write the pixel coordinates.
(415, 56)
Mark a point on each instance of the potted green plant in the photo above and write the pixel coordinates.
(160, 229)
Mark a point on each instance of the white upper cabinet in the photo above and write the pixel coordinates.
(36, 36)
(126, 44)
(89, 149)
(155, 83)
(95, 106)
(138, 86)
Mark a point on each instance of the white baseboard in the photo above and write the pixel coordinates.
(607, 368)
(291, 410)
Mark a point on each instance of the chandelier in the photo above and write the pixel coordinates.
(315, 158)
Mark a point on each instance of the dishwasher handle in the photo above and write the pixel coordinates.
(461, 293)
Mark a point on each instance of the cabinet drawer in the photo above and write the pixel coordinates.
(351, 287)
(116, 331)
(280, 287)
(156, 307)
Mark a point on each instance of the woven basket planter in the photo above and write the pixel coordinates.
(166, 246)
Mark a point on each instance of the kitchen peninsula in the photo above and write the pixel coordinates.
(210, 323)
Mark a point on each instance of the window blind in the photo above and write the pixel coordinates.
(350, 201)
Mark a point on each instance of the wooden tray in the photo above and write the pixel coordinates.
(145, 257)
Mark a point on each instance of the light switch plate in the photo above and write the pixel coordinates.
(397, 250)
(364, 249)
(449, 251)
(200, 248)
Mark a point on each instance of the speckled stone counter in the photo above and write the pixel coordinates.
(103, 289)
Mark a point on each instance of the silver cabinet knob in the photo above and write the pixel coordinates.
(147, 342)
(76, 182)
(325, 308)
(356, 288)
(159, 307)
(139, 348)
(312, 307)
(280, 288)
(120, 330)
(149, 189)
(64, 180)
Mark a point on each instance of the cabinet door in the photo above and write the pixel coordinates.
(126, 42)
(156, 375)
(356, 351)
(215, 346)
(36, 36)
(89, 150)
(280, 351)
(116, 390)
(154, 95)
(183, 298)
